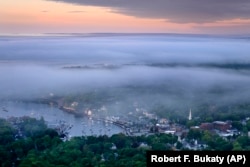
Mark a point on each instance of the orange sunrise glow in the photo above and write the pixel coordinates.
(41, 16)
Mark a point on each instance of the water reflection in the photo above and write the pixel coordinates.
(81, 126)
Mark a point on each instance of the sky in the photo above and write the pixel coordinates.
(122, 16)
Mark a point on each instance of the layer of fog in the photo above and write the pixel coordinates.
(34, 67)
(125, 49)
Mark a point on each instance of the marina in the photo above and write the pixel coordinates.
(53, 116)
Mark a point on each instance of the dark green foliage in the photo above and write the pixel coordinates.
(7, 132)
(248, 125)
(43, 147)
(40, 146)
(237, 125)
(121, 141)
(194, 134)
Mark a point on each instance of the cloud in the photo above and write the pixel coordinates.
(178, 11)
(76, 11)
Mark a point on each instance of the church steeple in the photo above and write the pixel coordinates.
(190, 115)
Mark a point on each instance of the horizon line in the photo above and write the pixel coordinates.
(117, 33)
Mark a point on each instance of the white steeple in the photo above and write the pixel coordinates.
(190, 115)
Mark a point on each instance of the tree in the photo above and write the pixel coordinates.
(179, 145)
(121, 141)
(237, 125)
(248, 125)
(244, 141)
(7, 132)
(194, 134)
(236, 146)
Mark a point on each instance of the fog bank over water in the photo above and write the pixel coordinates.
(125, 49)
(163, 69)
